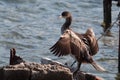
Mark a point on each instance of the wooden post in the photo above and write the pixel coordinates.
(107, 14)
(118, 4)
(119, 46)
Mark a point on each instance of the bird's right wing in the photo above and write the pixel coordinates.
(61, 47)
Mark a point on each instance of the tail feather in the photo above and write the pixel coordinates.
(98, 67)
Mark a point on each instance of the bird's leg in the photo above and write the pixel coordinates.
(73, 63)
(78, 67)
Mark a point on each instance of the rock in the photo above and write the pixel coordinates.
(34, 71)
(79, 76)
(49, 61)
(86, 76)
(51, 72)
(47, 70)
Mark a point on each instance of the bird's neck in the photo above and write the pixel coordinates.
(67, 24)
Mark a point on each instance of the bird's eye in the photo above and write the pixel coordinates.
(67, 31)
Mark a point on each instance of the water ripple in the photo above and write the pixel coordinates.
(14, 44)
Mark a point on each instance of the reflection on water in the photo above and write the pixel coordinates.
(32, 27)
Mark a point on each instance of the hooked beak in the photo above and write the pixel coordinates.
(62, 36)
(60, 17)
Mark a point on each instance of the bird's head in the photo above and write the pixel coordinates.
(65, 14)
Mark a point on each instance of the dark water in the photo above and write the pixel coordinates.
(32, 27)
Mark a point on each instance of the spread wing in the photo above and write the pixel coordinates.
(90, 36)
(61, 47)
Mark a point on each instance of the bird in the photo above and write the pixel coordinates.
(70, 44)
(84, 44)
(88, 38)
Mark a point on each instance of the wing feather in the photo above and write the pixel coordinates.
(61, 47)
(90, 36)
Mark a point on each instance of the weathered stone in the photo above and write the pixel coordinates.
(14, 73)
(79, 76)
(86, 76)
(48, 70)
(34, 71)
(52, 72)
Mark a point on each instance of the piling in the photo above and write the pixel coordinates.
(107, 4)
(119, 46)
(118, 4)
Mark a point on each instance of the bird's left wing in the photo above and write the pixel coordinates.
(92, 41)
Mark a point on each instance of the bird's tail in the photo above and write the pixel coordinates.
(98, 67)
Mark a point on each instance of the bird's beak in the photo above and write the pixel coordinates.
(62, 36)
(60, 17)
